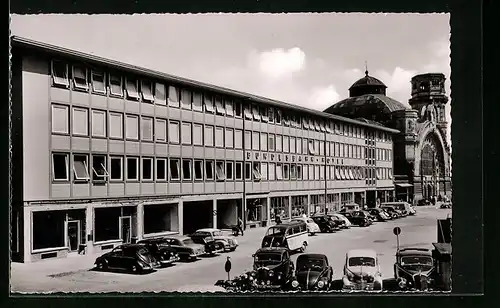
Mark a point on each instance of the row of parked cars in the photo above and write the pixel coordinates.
(150, 254)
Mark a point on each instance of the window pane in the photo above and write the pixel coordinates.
(132, 126)
(186, 133)
(263, 171)
(292, 145)
(60, 73)
(197, 102)
(238, 139)
(255, 141)
(116, 166)
(98, 123)
(174, 169)
(209, 135)
(147, 90)
(147, 169)
(263, 141)
(131, 87)
(209, 103)
(60, 119)
(299, 145)
(219, 137)
(116, 125)
(239, 171)
(271, 143)
(132, 168)
(161, 167)
(146, 129)
(229, 138)
(197, 134)
(248, 140)
(198, 170)
(186, 99)
(286, 144)
(160, 93)
(229, 170)
(161, 130)
(80, 122)
(173, 132)
(60, 167)
(80, 167)
(229, 108)
(173, 96)
(279, 143)
(209, 170)
(115, 85)
(98, 82)
(272, 172)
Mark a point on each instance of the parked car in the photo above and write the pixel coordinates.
(391, 211)
(272, 269)
(414, 269)
(362, 271)
(350, 207)
(312, 227)
(161, 251)
(188, 250)
(312, 272)
(412, 211)
(291, 235)
(229, 242)
(347, 222)
(135, 258)
(325, 223)
(379, 214)
(358, 218)
(341, 223)
(445, 205)
(402, 207)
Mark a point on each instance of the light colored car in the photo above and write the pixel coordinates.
(342, 217)
(362, 271)
(312, 227)
(230, 243)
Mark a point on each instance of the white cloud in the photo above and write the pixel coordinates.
(279, 62)
(323, 97)
(397, 82)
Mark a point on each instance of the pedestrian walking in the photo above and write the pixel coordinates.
(278, 220)
(240, 225)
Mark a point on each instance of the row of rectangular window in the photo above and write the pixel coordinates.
(118, 168)
(151, 129)
(156, 92)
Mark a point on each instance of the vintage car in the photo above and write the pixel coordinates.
(325, 223)
(188, 250)
(291, 235)
(379, 214)
(272, 269)
(445, 205)
(229, 242)
(312, 272)
(347, 224)
(160, 251)
(414, 269)
(312, 227)
(391, 211)
(402, 207)
(135, 258)
(362, 271)
(412, 211)
(358, 218)
(350, 207)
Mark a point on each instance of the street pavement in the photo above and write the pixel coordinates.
(75, 274)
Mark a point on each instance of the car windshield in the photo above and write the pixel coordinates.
(217, 233)
(310, 263)
(276, 231)
(188, 241)
(416, 260)
(202, 234)
(310, 221)
(263, 259)
(143, 252)
(362, 261)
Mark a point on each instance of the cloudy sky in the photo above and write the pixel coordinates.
(304, 59)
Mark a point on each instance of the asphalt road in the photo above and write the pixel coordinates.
(419, 230)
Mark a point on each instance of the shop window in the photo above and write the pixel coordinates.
(238, 139)
(173, 97)
(158, 218)
(229, 138)
(219, 137)
(198, 170)
(263, 171)
(174, 169)
(248, 112)
(80, 121)
(160, 94)
(107, 223)
(115, 85)
(292, 144)
(197, 134)
(197, 101)
(209, 169)
(263, 114)
(256, 172)
(219, 106)
(263, 141)
(173, 132)
(132, 88)
(248, 140)
(229, 170)
(98, 82)
(248, 171)
(60, 164)
(147, 90)
(286, 144)
(186, 133)
(99, 170)
(237, 109)
(255, 112)
(238, 171)
(271, 142)
(60, 73)
(161, 169)
(209, 135)
(160, 131)
(48, 229)
(293, 172)
(132, 169)
(80, 78)
(186, 99)
(80, 167)
(229, 108)
(209, 103)
(147, 169)
(115, 168)
(186, 169)
(286, 171)
(220, 172)
(299, 172)
(272, 172)
(132, 127)
(279, 172)
(279, 143)
(98, 123)
(60, 119)
(115, 125)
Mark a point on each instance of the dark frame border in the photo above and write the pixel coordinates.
(466, 44)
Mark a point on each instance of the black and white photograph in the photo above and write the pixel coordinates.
(231, 152)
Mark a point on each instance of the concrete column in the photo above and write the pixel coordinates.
(290, 207)
(308, 210)
(180, 217)
(26, 246)
(268, 210)
(140, 221)
(214, 213)
(353, 197)
(89, 228)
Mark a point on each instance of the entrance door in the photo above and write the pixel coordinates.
(125, 229)
(73, 232)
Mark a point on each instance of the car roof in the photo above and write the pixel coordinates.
(312, 256)
(177, 237)
(279, 250)
(415, 251)
(361, 253)
(207, 230)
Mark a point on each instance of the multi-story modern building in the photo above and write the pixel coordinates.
(105, 153)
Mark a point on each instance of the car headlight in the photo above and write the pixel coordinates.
(321, 284)
(271, 273)
(295, 283)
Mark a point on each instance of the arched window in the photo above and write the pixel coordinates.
(432, 158)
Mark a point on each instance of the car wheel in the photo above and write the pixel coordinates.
(134, 269)
(303, 248)
(102, 265)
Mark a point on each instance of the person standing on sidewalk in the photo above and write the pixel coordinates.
(240, 225)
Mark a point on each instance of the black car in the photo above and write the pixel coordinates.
(378, 214)
(358, 218)
(212, 246)
(161, 250)
(272, 269)
(313, 273)
(414, 269)
(135, 258)
(325, 223)
(339, 222)
(391, 211)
